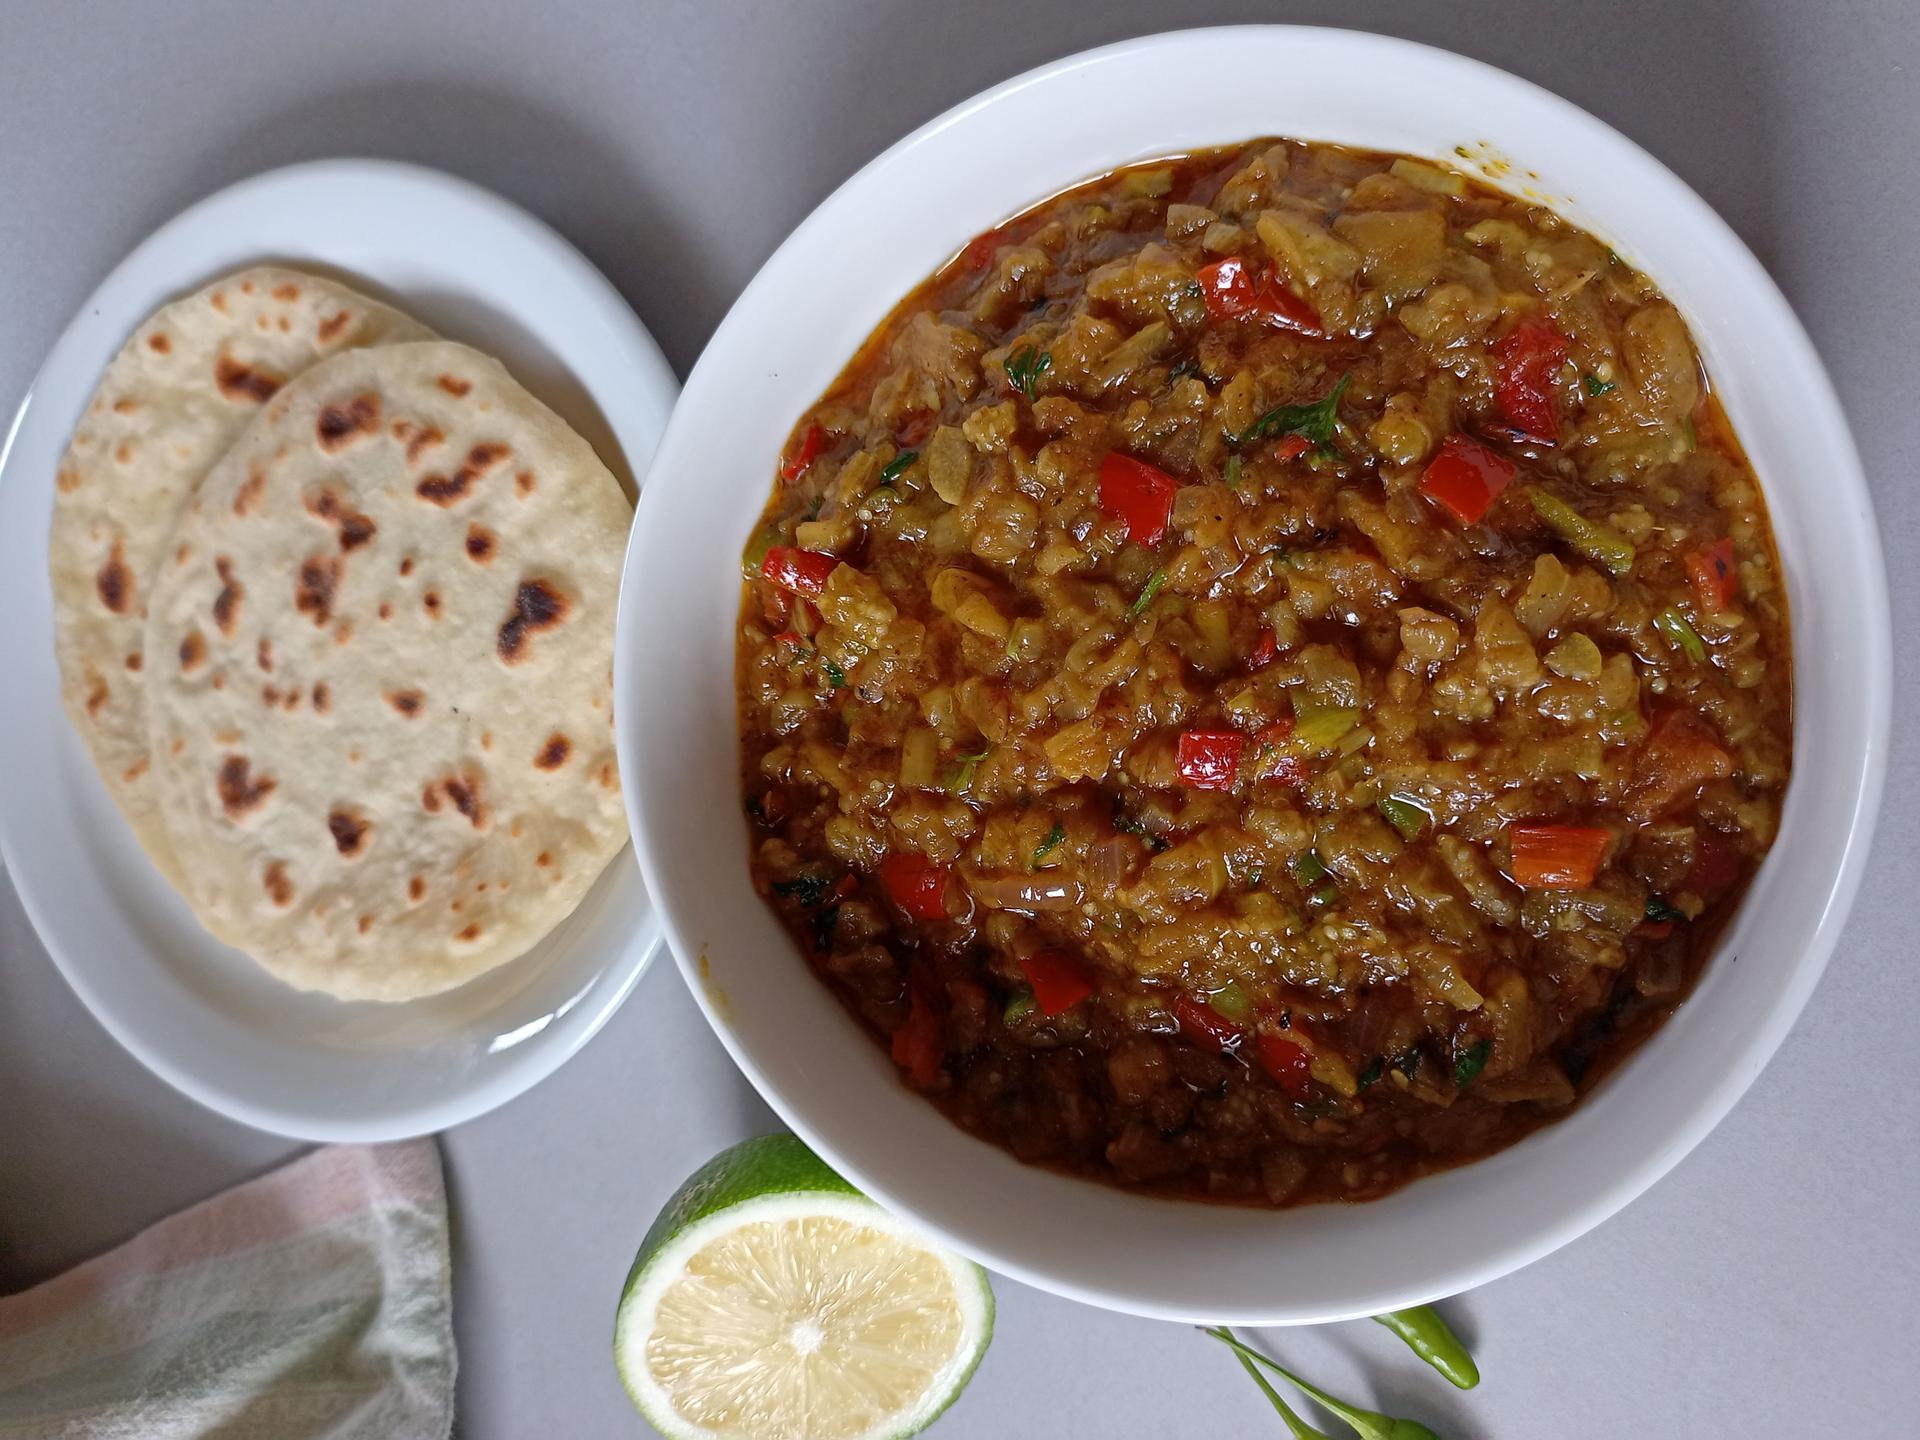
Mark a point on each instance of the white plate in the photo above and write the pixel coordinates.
(785, 340)
(201, 1016)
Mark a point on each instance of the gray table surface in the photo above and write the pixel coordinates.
(1770, 1285)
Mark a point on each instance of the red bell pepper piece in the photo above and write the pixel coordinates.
(917, 1044)
(1290, 1065)
(1557, 857)
(1527, 356)
(917, 885)
(1282, 309)
(1138, 493)
(1228, 288)
(1714, 579)
(1202, 1022)
(1465, 478)
(796, 463)
(804, 572)
(1209, 759)
(1059, 981)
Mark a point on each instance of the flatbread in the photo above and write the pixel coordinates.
(381, 678)
(187, 382)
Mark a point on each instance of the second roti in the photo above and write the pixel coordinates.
(381, 700)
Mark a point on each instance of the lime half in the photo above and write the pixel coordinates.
(772, 1301)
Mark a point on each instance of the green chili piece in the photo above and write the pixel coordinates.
(1145, 597)
(1595, 539)
(1405, 814)
(1430, 1337)
(1308, 869)
(1677, 632)
(1019, 1006)
(1233, 1002)
(1322, 726)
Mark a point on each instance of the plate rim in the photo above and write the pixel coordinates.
(399, 1119)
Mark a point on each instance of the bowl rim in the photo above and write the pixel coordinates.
(1863, 779)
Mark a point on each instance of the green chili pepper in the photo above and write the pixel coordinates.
(1595, 539)
(1297, 1427)
(1019, 1007)
(1432, 1339)
(1677, 632)
(1368, 1424)
(1405, 814)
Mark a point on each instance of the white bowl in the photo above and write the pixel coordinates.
(785, 340)
(201, 1016)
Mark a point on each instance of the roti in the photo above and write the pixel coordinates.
(381, 675)
(183, 386)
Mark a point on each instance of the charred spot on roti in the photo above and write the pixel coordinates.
(342, 425)
(248, 495)
(469, 932)
(288, 291)
(365, 923)
(543, 859)
(182, 555)
(97, 696)
(416, 889)
(242, 792)
(135, 770)
(523, 483)
(420, 439)
(219, 680)
(263, 654)
(349, 831)
(238, 382)
(459, 790)
(386, 610)
(480, 544)
(134, 660)
(125, 405)
(314, 586)
(431, 600)
(226, 605)
(354, 528)
(269, 695)
(446, 491)
(115, 581)
(406, 566)
(123, 452)
(407, 702)
(68, 479)
(343, 632)
(322, 697)
(218, 299)
(554, 753)
(279, 888)
(537, 606)
(455, 386)
(160, 344)
(329, 329)
(193, 652)
(608, 779)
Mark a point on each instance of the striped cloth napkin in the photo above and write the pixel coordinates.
(314, 1301)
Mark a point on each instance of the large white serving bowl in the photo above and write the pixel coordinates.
(791, 332)
(201, 1016)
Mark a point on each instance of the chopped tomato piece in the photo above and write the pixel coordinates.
(1682, 753)
(1209, 759)
(804, 572)
(1557, 857)
(980, 250)
(1138, 493)
(1291, 447)
(1202, 1022)
(1059, 981)
(915, 430)
(1465, 478)
(917, 1044)
(1716, 865)
(1527, 356)
(796, 463)
(1281, 308)
(788, 637)
(1266, 649)
(1653, 929)
(1288, 1063)
(917, 885)
(1714, 580)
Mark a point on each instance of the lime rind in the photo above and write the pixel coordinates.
(777, 1180)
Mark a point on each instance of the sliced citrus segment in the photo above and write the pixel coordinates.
(771, 1300)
